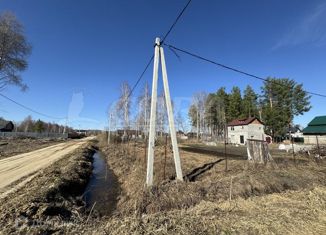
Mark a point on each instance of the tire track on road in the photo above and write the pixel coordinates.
(16, 168)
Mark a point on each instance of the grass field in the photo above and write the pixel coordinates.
(283, 197)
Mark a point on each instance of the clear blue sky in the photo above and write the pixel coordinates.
(83, 50)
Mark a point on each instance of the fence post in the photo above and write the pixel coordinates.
(225, 155)
(318, 145)
(291, 139)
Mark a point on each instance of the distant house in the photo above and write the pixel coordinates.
(191, 135)
(182, 135)
(82, 132)
(316, 130)
(240, 130)
(295, 132)
(6, 126)
(129, 133)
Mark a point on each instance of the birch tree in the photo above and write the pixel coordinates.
(197, 112)
(123, 106)
(180, 121)
(161, 113)
(144, 109)
(217, 111)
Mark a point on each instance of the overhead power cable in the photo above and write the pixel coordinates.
(162, 41)
(141, 76)
(233, 69)
(175, 22)
(30, 109)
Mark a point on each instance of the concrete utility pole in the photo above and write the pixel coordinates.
(159, 54)
(145, 128)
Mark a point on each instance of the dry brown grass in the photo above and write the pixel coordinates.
(51, 201)
(203, 207)
(247, 180)
(292, 212)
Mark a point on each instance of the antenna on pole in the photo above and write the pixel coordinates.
(159, 56)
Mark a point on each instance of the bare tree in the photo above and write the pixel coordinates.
(27, 124)
(112, 120)
(144, 108)
(161, 113)
(197, 112)
(14, 50)
(123, 106)
(181, 123)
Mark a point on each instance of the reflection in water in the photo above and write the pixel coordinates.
(102, 188)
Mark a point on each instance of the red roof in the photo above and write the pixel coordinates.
(245, 121)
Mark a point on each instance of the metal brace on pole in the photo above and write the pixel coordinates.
(159, 54)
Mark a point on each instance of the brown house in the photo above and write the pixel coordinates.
(6, 126)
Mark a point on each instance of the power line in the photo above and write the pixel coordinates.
(133, 88)
(175, 22)
(30, 109)
(141, 76)
(233, 69)
(164, 37)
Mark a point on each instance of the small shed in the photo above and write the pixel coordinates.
(315, 131)
(6, 126)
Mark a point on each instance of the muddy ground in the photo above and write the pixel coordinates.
(52, 202)
(13, 146)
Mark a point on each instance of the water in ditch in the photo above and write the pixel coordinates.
(103, 188)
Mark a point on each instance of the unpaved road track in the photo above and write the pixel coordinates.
(22, 166)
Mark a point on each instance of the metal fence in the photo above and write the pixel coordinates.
(34, 135)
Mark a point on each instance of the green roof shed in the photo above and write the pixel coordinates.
(316, 127)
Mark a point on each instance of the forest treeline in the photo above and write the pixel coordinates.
(31, 125)
(279, 101)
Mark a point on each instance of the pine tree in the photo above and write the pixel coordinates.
(250, 105)
(39, 126)
(283, 100)
(235, 105)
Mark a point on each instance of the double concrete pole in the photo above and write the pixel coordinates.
(159, 55)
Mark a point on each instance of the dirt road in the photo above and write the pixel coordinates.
(17, 170)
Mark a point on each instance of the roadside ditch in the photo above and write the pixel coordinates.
(61, 198)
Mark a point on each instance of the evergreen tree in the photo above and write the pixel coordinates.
(192, 113)
(39, 126)
(283, 100)
(249, 103)
(235, 103)
(223, 102)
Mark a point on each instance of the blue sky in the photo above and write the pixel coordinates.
(83, 50)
